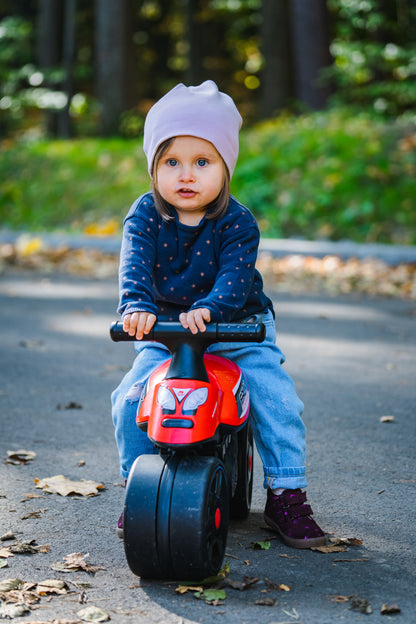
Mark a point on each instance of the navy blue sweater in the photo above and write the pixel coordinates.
(167, 267)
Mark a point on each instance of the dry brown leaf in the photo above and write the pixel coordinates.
(52, 586)
(34, 514)
(65, 487)
(5, 553)
(390, 609)
(27, 547)
(345, 541)
(9, 584)
(330, 548)
(247, 582)
(340, 598)
(75, 562)
(7, 536)
(387, 419)
(266, 602)
(283, 587)
(183, 589)
(20, 457)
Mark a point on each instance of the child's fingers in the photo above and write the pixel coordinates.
(194, 320)
(145, 322)
(138, 323)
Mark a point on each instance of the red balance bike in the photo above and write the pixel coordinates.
(195, 409)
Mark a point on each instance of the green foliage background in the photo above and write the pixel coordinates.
(320, 175)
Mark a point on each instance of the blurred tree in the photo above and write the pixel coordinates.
(310, 41)
(115, 70)
(295, 46)
(277, 80)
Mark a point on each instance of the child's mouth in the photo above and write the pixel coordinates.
(185, 192)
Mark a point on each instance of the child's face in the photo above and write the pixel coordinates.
(190, 176)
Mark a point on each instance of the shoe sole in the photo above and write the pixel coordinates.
(311, 542)
(120, 532)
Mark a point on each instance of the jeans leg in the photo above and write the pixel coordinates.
(131, 441)
(276, 410)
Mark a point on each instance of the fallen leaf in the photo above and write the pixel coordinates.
(340, 598)
(211, 580)
(390, 609)
(65, 487)
(75, 562)
(13, 610)
(9, 584)
(262, 545)
(30, 496)
(266, 602)
(34, 514)
(5, 553)
(183, 589)
(27, 547)
(387, 419)
(52, 586)
(7, 536)
(330, 548)
(93, 614)
(344, 541)
(247, 582)
(360, 604)
(3, 563)
(283, 587)
(211, 596)
(20, 457)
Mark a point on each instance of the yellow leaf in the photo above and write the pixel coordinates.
(27, 246)
(108, 228)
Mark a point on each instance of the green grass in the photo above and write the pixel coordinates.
(325, 175)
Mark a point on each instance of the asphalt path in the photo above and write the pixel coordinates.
(354, 362)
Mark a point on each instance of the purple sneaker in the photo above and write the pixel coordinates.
(291, 518)
(120, 528)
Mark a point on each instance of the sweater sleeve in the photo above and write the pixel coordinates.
(137, 258)
(237, 259)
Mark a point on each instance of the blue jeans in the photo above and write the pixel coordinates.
(276, 410)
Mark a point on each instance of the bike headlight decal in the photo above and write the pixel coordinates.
(195, 399)
(166, 399)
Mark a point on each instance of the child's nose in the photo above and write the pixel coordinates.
(187, 173)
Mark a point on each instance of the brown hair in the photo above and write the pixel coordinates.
(215, 210)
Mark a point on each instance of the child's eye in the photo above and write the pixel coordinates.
(201, 162)
(172, 162)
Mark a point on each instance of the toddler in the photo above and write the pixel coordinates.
(188, 252)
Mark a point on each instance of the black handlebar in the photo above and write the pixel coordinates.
(215, 332)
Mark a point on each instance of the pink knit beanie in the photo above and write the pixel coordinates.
(201, 111)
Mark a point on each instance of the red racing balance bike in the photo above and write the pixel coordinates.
(195, 409)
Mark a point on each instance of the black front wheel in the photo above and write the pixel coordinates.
(176, 517)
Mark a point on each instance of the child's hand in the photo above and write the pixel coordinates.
(138, 323)
(194, 320)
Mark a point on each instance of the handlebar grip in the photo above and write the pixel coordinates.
(215, 332)
(241, 332)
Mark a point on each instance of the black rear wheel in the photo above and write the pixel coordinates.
(241, 500)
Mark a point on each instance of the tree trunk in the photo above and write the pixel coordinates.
(310, 38)
(49, 28)
(277, 74)
(68, 51)
(115, 78)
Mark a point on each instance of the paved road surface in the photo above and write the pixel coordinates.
(354, 361)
